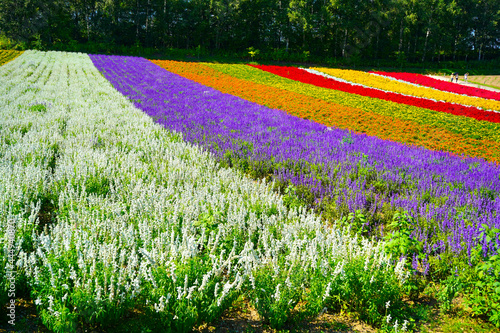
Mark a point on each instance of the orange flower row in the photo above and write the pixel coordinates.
(331, 114)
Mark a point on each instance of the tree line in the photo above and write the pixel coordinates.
(403, 30)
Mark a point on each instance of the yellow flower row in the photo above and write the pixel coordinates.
(379, 82)
(8, 55)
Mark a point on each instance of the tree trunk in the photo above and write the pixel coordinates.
(87, 20)
(415, 58)
(147, 24)
(400, 37)
(425, 44)
(164, 32)
(345, 44)
(137, 21)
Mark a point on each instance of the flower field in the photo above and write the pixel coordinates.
(278, 144)
(173, 189)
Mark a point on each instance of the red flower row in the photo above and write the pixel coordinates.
(442, 85)
(320, 81)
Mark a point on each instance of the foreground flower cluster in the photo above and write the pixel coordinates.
(112, 213)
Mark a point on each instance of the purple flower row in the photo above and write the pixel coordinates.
(449, 197)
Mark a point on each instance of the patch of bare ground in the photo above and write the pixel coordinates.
(26, 319)
(244, 318)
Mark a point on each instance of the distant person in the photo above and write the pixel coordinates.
(456, 77)
(451, 78)
(466, 77)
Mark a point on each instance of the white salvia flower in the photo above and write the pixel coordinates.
(98, 293)
(404, 327)
(400, 272)
(276, 269)
(51, 303)
(204, 281)
(327, 291)
(172, 272)
(239, 280)
(184, 291)
(372, 279)
(216, 290)
(38, 301)
(225, 290)
(111, 289)
(388, 318)
(277, 294)
(161, 305)
(396, 326)
(339, 269)
(190, 292)
(252, 280)
(288, 283)
(387, 304)
(180, 292)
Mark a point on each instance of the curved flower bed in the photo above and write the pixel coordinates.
(442, 85)
(338, 167)
(387, 120)
(387, 84)
(320, 81)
